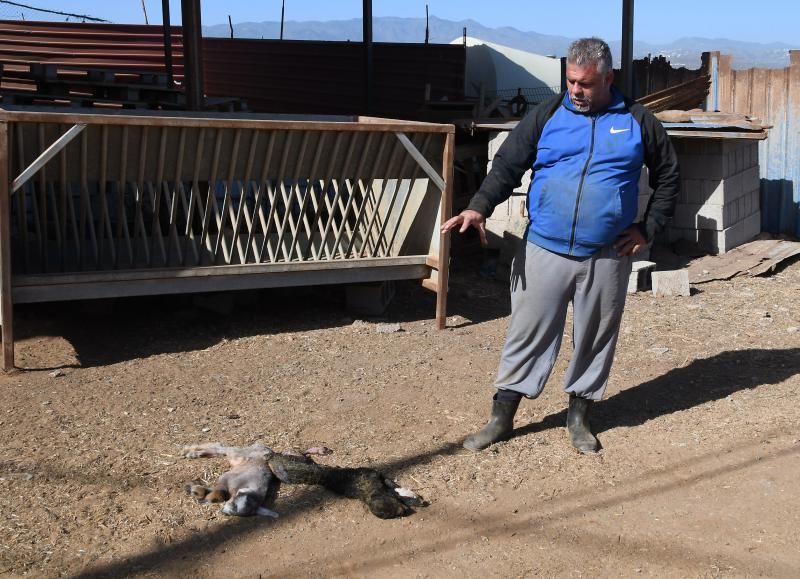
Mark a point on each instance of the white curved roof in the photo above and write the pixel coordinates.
(501, 67)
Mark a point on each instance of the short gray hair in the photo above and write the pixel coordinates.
(588, 51)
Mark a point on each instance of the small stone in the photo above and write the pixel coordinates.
(16, 476)
(206, 429)
(56, 373)
(792, 329)
(671, 283)
(659, 350)
(388, 328)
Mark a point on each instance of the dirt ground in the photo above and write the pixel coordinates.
(697, 477)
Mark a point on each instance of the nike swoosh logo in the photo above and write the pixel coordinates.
(615, 131)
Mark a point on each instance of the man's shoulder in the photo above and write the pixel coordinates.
(548, 106)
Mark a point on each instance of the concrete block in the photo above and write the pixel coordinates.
(639, 279)
(495, 141)
(713, 241)
(740, 233)
(509, 216)
(728, 189)
(751, 178)
(715, 216)
(671, 283)
(703, 166)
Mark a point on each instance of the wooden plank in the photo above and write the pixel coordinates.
(167, 273)
(701, 134)
(172, 285)
(46, 155)
(244, 190)
(421, 161)
(6, 298)
(446, 209)
(195, 119)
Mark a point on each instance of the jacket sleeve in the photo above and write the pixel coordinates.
(513, 158)
(662, 165)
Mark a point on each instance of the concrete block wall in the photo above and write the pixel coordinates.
(719, 205)
(510, 218)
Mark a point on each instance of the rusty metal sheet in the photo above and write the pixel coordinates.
(279, 76)
(752, 259)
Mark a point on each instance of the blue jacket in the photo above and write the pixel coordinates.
(586, 167)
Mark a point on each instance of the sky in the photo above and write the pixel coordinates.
(655, 21)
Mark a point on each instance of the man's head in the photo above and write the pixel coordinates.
(589, 74)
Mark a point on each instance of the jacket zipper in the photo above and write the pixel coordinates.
(580, 191)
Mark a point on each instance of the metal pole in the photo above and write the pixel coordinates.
(283, 12)
(369, 68)
(167, 42)
(192, 54)
(626, 65)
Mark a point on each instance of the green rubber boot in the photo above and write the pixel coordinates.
(578, 425)
(499, 427)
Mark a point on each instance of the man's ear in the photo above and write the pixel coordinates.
(610, 77)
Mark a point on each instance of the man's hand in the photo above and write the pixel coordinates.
(466, 219)
(630, 241)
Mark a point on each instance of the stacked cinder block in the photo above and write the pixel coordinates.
(719, 206)
(510, 218)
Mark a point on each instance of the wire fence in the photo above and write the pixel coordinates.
(532, 95)
(21, 11)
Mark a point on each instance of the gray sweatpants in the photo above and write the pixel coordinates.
(542, 285)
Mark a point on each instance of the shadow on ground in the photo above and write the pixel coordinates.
(677, 390)
(109, 331)
(701, 381)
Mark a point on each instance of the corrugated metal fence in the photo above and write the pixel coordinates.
(328, 77)
(773, 95)
(117, 46)
(276, 76)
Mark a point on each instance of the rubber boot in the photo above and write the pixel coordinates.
(578, 425)
(499, 427)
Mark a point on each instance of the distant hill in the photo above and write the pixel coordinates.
(683, 52)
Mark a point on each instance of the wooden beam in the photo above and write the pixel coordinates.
(48, 154)
(98, 286)
(6, 301)
(217, 122)
(422, 161)
(442, 279)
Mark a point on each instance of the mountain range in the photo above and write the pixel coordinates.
(682, 52)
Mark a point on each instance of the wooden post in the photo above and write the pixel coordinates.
(442, 278)
(6, 306)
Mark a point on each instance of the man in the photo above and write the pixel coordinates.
(586, 148)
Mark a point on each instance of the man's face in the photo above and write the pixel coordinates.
(588, 90)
